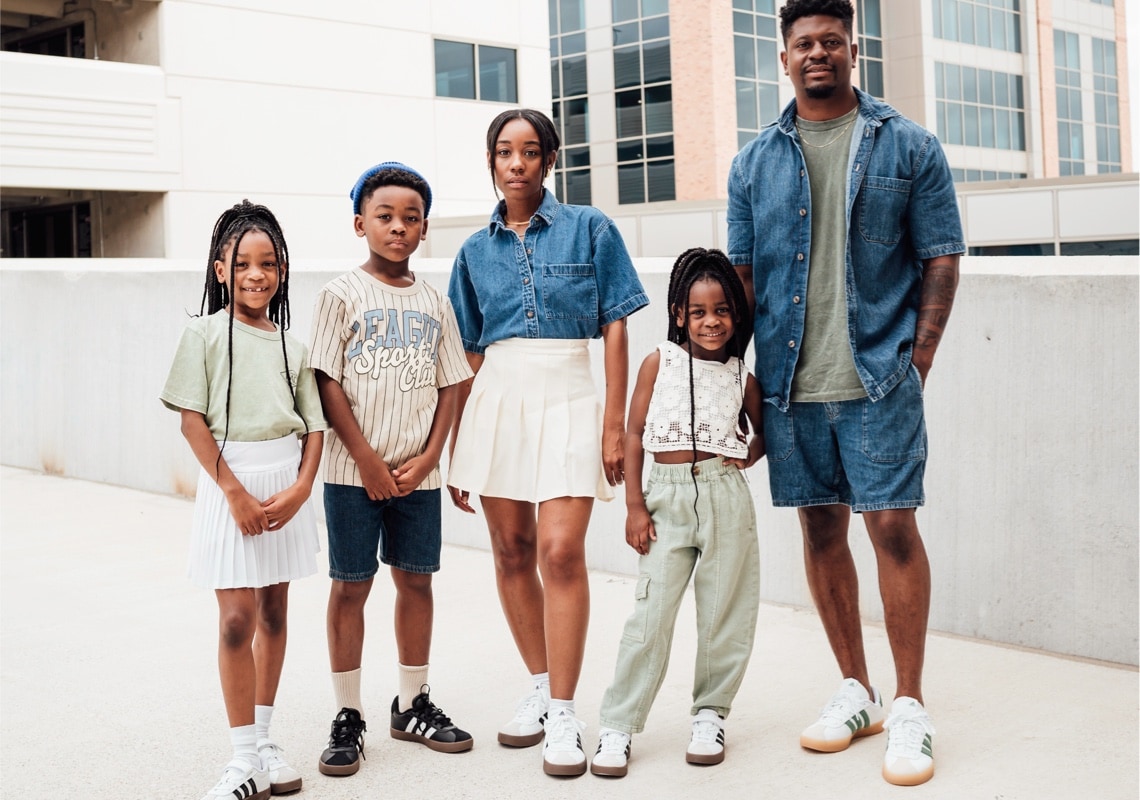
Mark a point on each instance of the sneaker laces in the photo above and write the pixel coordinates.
(232, 775)
(705, 730)
(905, 733)
(531, 708)
(430, 713)
(562, 729)
(612, 743)
(272, 756)
(346, 733)
(840, 708)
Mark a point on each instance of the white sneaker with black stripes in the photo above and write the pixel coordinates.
(242, 781)
(707, 744)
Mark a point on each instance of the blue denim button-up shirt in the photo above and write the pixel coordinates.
(568, 276)
(901, 210)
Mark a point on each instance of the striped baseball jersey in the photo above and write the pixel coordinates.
(391, 349)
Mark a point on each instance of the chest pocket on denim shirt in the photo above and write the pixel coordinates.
(882, 206)
(569, 291)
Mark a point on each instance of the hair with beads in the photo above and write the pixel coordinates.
(548, 140)
(694, 265)
(793, 10)
(231, 227)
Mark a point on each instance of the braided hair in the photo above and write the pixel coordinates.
(231, 227)
(699, 264)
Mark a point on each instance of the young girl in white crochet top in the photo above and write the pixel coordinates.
(691, 408)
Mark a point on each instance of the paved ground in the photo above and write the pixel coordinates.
(109, 689)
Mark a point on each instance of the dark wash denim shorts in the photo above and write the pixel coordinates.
(403, 531)
(868, 455)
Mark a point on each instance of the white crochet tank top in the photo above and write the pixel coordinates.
(719, 393)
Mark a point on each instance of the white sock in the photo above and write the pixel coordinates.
(541, 681)
(412, 682)
(262, 716)
(346, 689)
(244, 740)
(558, 705)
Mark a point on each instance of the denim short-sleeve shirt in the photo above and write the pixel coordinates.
(568, 276)
(901, 210)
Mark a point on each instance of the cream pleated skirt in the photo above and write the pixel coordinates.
(532, 426)
(220, 556)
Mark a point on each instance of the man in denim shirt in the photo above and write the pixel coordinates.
(843, 224)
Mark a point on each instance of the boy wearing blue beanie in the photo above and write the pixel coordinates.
(388, 358)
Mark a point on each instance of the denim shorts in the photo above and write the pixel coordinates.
(867, 455)
(403, 531)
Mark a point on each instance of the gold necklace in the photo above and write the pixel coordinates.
(829, 142)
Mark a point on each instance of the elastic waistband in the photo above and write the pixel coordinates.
(552, 347)
(261, 456)
(705, 471)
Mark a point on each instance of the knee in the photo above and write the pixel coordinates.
(514, 553)
(236, 628)
(824, 528)
(415, 585)
(347, 595)
(895, 536)
(271, 617)
(563, 562)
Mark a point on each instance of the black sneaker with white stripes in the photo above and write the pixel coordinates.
(425, 723)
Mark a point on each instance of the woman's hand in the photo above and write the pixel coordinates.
(460, 498)
(613, 453)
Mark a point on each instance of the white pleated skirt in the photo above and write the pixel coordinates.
(532, 426)
(220, 556)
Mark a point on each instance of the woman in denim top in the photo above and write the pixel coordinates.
(530, 290)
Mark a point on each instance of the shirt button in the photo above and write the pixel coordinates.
(799, 256)
(530, 315)
(803, 212)
(529, 251)
(796, 300)
(801, 173)
(792, 343)
(526, 281)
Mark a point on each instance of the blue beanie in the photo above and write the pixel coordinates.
(368, 173)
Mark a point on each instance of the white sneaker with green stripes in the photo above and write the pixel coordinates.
(850, 713)
(910, 736)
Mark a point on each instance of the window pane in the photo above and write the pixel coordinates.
(742, 23)
(986, 127)
(577, 122)
(651, 8)
(625, 9)
(953, 82)
(497, 81)
(657, 61)
(657, 28)
(872, 23)
(982, 26)
(970, 117)
(631, 183)
(631, 151)
(573, 15)
(745, 57)
(969, 84)
(627, 106)
(659, 109)
(953, 123)
(769, 103)
(570, 158)
(661, 181)
(454, 69)
(659, 147)
(966, 23)
(627, 67)
(1001, 128)
(574, 43)
(985, 87)
(627, 33)
(578, 188)
(573, 76)
(746, 116)
(767, 60)
(766, 27)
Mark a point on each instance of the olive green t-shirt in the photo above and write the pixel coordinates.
(825, 371)
(261, 406)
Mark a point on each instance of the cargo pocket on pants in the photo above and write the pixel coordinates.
(639, 619)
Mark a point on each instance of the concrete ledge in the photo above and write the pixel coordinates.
(1031, 522)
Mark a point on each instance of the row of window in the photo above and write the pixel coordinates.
(986, 23)
(1111, 247)
(979, 107)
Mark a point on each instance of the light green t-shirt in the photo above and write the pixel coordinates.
(261, 406)
(825, 371)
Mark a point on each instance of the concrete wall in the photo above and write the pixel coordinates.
(1032, 414)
